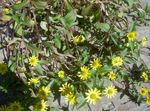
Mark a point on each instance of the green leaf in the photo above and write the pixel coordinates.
(114, 38)
(6, 18)
(57, 41)
(101, 84)
(40, 4)
(103, 26)
(105, 69)
(20, 31)
(13, 67)
(43, 25)
(21, 5)
(122, 95)
(34, 48)
(54, 109)
(130, 60)
(43, 62)
(124, 52)
(47, 44)
(97, 15)
(86, 11)
(15, 18)
(130, 3)
(68, 33)
(68, 5)
(64, 48)
(69, 19)
(3, 89)
(121, 14)
(38, 69)
(86, 56)
(55, 19)
(132, 27)
(82, 103)
(131, 45)
(139, 99)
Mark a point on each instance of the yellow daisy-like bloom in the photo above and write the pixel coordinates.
(144, 76)
(85, 73)
(4, 108)
(96, 63)
(143, 91)
(3, 68)
(148, 100)
(61, 74)
(93, 95)
(117, 61)
(44, 92)
(112, 76)
(71, 98)
(33, 61)
(41, 106)
(110, 91)
(6, 10)
(132, 36)
(15, 106)
(78, 39)
(33, 81)
(144, 41)
(66, 89)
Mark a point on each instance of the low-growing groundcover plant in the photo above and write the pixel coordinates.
(81, 50)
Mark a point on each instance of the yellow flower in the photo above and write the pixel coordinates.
(148, 100)
(3, 68)
(15, 106)
(44, 92)
(78, 39)
(85, 73)
(93, 95)
(33, 81)
(145, 76)
(71, 98)
(112, 76)
(144, 41)
(41, 106)
(66, 89)
(61, 74)
(96, 63)
(4, 108)
(6, 10)
(132, 36)
(143, 91)
(110, 91)
(33, 61)
(117, 61)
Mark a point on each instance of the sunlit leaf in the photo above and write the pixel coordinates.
(21, 4)
(103, 26)
(43, 25)
(57, 41)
